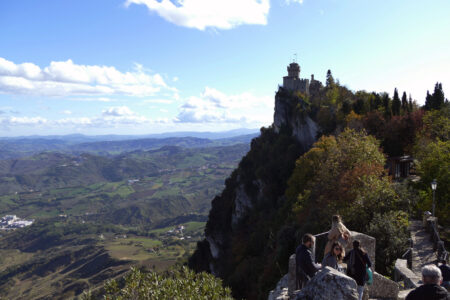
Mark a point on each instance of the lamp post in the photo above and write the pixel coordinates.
(433, 187)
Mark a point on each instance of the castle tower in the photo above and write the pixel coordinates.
(293, 82)
(293, 70)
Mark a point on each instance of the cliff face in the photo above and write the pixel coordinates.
(290, 112)
(240, 234)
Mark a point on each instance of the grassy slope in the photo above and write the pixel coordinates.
(101, 206)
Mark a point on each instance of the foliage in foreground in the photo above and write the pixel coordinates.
(181, 283)
(432, 151)
(345, 175)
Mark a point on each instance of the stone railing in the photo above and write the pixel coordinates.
(405, 274)
(431, 226)
(382, 287)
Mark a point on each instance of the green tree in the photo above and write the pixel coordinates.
(410, 104)
(391, 232)
(176, 284)
(341, 175)
(405, 107)
(437, 99)
(396, 104)
(387, 106)
(432, 151)
(330, 80)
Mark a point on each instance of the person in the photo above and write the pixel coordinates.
(334, 257)
(306, 268)
(431, 277)
(337, 233)
(357, 260)
(445, 270)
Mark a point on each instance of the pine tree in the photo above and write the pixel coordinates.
(404, 103)
(428, 101)
(387, 106)
(396, 104)
(330, 79)
(438, 98)
(410, 104)
(377, 100)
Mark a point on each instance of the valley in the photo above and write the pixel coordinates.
(96, 215)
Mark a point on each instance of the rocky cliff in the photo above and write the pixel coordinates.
(245, 221)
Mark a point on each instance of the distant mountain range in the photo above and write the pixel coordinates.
(81, 138)
(17, 147)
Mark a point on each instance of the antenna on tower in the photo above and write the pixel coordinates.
(295, 57)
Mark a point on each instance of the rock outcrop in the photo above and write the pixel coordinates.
(281, 291)
(329, 284)
(290, 111)
(255, 190)
(383, 288)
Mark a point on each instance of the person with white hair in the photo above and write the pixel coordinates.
(430, 290)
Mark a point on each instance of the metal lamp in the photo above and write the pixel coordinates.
(433, 187)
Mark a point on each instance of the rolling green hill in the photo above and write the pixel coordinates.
(98, 215)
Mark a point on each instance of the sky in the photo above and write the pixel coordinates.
(152, 66)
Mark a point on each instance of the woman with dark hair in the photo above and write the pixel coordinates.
(357, 261)
(334, 257)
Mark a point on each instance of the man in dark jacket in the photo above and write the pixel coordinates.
(430, 290)
(305, 265)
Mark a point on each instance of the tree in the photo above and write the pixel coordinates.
(432, 151)
(391, 232)
(405, 107)
(433, 162)
(428, 101)
(175, 284)
(330, 80)
(410, 104)
(387, 106)
(340, 175)
(396, 104)
(437, 99)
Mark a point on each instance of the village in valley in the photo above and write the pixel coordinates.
(11, 222)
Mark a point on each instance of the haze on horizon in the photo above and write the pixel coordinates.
(149, 66)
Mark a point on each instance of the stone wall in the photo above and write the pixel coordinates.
(403, 273)
(382, 287)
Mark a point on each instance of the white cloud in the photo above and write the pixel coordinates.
(24, 121)
(92, 99)
(109, 118)
(294, 1)
(65, 78)
(67, 112)
(159, 101)
(214, 106)
(118, 111)
(201, 14)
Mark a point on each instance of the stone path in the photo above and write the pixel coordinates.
(423, 253)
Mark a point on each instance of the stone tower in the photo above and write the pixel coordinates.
(293, 82)
(293, 70)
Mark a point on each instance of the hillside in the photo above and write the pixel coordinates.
(324, 154)
(11, 148)
(96, 216)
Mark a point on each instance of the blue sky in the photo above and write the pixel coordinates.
(149, 66)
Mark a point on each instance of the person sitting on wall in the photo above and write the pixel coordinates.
(431, 277)
(334, 257)
(445, 270)
(338, 233)
(306, 268)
